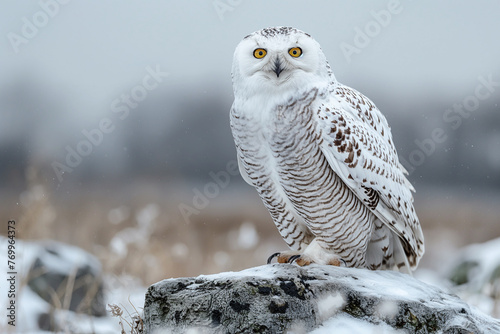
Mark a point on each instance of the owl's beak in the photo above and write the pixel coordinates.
(277, 67)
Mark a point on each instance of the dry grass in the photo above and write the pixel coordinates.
(133, 322)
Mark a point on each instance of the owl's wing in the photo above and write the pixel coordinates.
(243, 172)
(356, 140)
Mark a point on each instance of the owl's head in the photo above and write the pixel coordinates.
(278, 59)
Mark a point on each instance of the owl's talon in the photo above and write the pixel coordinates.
(269, 259)
(284, 257)
(337, 262)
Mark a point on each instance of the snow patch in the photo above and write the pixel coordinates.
(330, 305)
(345, 324)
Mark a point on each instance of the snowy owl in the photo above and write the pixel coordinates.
(321, 157)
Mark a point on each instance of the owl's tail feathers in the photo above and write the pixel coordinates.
(401, 259)
(379, 253)
(385, 250)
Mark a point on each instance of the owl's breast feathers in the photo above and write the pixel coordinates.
(284, 128)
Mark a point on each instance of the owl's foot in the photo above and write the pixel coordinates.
(284, 257)
(305, 260)
(315, 252)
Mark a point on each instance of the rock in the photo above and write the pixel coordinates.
(477, 265)
(281, 297)
(55, 282)
(59, 269)
(475, 273)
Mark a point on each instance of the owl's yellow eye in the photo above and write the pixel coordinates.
(295, 52)
(259, 53)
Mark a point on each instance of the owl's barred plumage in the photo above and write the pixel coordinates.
(321, 157)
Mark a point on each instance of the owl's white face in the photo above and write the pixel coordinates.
(278, 59)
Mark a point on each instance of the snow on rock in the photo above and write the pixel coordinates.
(476, 275)
(53, 278)
(346, 324)
(60, 268)
(283, 298)
(475, 264)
